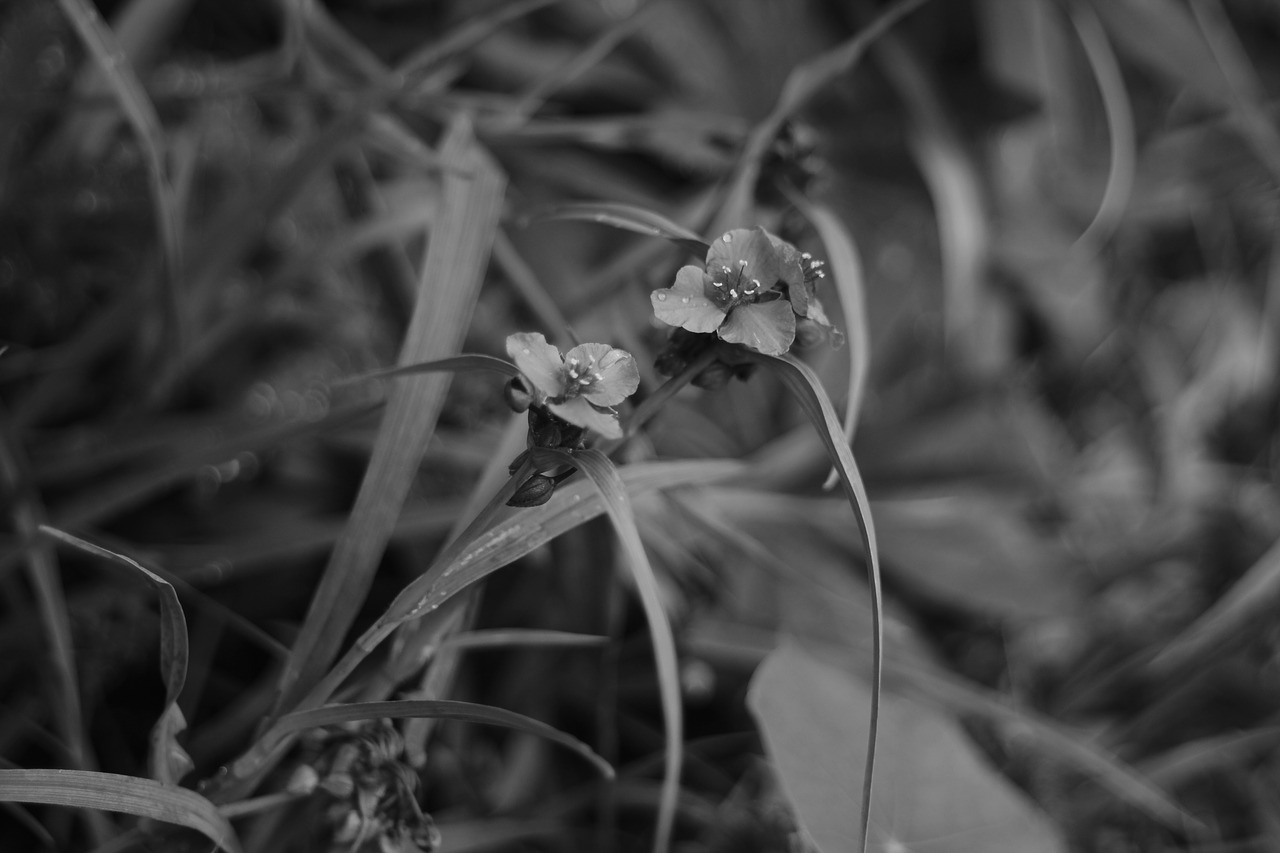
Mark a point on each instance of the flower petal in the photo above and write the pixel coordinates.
(791, 272)
(684, 305)
(752, 246)
(619, 375)
(538, 360)
(767, 327)
(581, 413)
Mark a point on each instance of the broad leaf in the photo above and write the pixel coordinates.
(934, 793)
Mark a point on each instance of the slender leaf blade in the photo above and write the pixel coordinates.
(613, 493)
(168, 761)
(629, 217)
(115, 793)
(804, 385)
(456, 257)
(443, 709)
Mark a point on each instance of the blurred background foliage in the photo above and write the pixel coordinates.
(1066, 214)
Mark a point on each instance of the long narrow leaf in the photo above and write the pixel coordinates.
(628, 217)
(168, 761)
(115, 793)
(613, 493)
(442, 709)
(806, 388)
(483, 550)
(846, 274)
(27, 515)
(457, 364)
(456, 257)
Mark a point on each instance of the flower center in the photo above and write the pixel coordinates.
(579, 376)
(732, 286)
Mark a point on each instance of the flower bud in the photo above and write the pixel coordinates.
(517, 394)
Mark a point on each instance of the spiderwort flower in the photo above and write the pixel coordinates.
(741, 295)
(579, 387)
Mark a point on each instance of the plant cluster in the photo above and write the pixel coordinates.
(678, 426)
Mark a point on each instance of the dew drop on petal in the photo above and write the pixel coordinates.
(684, 299)
(728, 237)
(524, 351)
(662, 297)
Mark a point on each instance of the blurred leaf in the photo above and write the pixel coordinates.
(1234, 617)
(613, 494)
(846, 277)
(168, 761)
(802, 84)
(629, 218)
(114, 793)
(975, 552)
(123, 82)
(933, 792)
(456, 364)
(1163, 36)
(468, 712)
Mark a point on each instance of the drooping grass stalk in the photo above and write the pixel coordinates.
(807, 389)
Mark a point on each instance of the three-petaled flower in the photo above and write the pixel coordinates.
(744, 294)
(579, 387)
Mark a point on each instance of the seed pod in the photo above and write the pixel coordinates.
(517, 394)
(535, 491)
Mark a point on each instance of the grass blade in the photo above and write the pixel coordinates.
(806, 388)
(457, 364)
(1120, 125)
(442, 709)
(115, 793)
(528, 638)
(456, 257)
(846, 271)
(1250, 602)
(102, 45)
(168, 761)
(483, 548)
(613, 493)
(627, 217)
(28, 515)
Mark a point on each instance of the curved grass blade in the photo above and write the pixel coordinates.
(481, 550)
(167, 761)
(806, 388)
(628, 217)
(457, 364)
(613, 493)
(1120, 125)
(846, 271)
(115, 793)
(442, 709)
